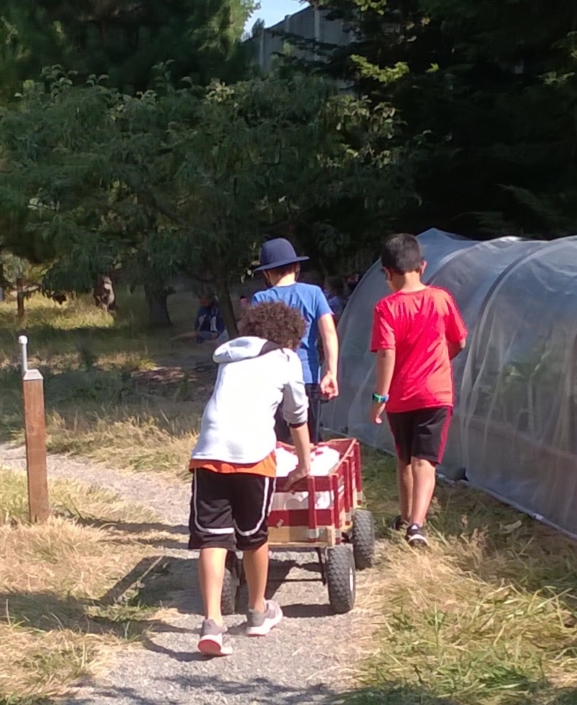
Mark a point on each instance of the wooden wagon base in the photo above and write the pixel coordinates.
(287, 537)
(343, 536)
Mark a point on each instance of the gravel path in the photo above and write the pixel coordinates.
(301, 662)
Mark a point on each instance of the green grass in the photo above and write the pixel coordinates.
(120, 394)
(112, 386)
(486, 617)
(57, 622)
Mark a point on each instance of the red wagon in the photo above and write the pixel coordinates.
(341, 532)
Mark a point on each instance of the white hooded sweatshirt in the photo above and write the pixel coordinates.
(254, 377)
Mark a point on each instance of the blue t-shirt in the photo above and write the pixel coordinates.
(311, 302)
(337, 304)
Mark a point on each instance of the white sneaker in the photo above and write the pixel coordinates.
(213, 640)
(262, 623)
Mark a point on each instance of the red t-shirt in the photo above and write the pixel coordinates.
(418, 325)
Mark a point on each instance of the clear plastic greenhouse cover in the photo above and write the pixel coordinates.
(513, 432)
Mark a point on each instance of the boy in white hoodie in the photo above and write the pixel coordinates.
(234, 462)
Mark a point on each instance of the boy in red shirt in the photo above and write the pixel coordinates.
(417, 331)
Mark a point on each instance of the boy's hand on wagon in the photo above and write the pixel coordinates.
(377, 411)
(295, 476)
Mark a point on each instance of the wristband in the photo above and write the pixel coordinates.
(378, 399)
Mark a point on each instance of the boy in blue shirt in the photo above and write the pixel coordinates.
(281, 267)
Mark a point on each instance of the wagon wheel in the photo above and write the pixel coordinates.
(363, 538)
(341, 578)
(231, 583)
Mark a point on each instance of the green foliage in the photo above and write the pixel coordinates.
(385, 75)
(185, 179)
(490, 89)
(122, 39)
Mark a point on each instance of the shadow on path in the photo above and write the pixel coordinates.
(214, 689)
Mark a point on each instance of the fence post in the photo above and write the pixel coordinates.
(20, 297)
(35, 429)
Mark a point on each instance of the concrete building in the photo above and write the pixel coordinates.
(310, 24)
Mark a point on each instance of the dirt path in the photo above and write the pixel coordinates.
(301, 662)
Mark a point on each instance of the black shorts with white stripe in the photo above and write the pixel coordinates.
(229, 510)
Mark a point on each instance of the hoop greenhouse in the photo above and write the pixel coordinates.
(514, 432)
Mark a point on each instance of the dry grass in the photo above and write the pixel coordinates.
(57, 622)
(112, 386)
(138, 438)
(486, 617)
(117, 393)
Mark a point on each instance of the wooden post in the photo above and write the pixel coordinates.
(20, 297)
(35, 428)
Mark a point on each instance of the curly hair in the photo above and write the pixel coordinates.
(274, 321)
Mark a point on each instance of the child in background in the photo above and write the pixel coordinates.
(353, 280)
(335, 291)
(209, 324)
(417, 331)
(281, 268)
(234, 462)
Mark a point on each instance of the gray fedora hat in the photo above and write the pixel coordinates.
(277, 253)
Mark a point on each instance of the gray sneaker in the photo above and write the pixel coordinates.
(416, 536)
(261, 623)
(213, 640)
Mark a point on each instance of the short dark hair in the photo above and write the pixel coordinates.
(292, 268)
(402, 253)
(274, 321)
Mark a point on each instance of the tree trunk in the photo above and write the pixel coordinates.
(225, 302)
(157, 304)
(20, 297)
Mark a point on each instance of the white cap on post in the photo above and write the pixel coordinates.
(23, 342)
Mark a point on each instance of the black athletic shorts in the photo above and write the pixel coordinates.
(282, 428)
(421, 433)
(229, 510)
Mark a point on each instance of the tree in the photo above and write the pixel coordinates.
(123, 39)
(489, 88)
(185, 179)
